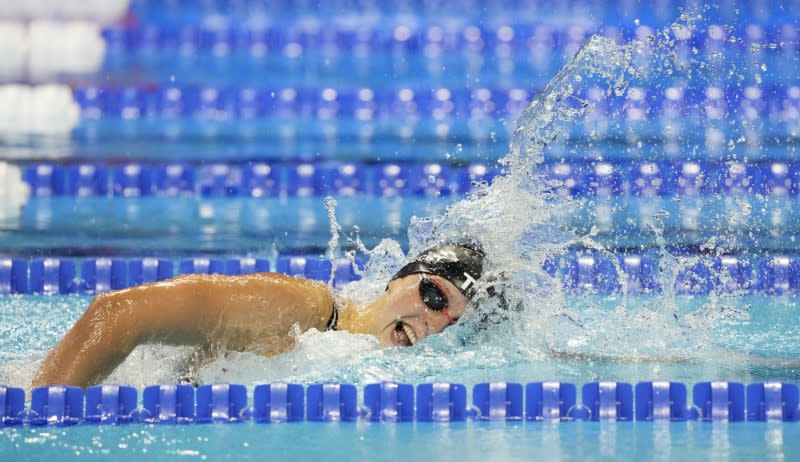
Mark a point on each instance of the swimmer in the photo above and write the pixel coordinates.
(256, 313)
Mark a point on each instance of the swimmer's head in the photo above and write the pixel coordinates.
(457, 263)
(428, 294)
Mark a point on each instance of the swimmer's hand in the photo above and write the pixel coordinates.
(253, 312)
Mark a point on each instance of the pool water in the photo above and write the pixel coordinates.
(631, 170)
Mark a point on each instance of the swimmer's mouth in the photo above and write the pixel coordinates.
(403, 335)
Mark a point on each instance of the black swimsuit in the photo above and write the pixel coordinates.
(334, 318)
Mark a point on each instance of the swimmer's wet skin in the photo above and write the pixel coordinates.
(256, 313)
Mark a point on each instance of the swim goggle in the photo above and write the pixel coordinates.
(434, 297)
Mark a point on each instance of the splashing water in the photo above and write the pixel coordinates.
(555, 335)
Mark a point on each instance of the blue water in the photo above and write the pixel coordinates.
(177, 86)
(467, 441)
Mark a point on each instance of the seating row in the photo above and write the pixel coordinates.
(54, 276)
(580, 272)
(424, 36)
(774, 105)
(576, 179)
(255, 179)
(60, 405)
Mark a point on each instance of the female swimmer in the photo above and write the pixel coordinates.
(257, 312)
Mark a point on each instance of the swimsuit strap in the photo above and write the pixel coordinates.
(334, 317)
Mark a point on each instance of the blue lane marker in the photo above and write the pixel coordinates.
(395, 402)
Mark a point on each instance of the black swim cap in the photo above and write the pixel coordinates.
(459, 264)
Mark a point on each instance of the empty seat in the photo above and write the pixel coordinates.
(278, 402)
(389, 401)
(734, 273)
(498, 400)
(331, 402)
(648, 179)
(291, 265)
(390, 180)
(720, 401)
(174, 180)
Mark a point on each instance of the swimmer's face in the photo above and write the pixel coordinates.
(404, 318)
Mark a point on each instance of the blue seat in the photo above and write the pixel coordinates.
(92, 102)
(778, 275)
(661, 401)
(261, 180)
(104, 274)
(565, 179)
(389, 401)
(772, 402)
(217, 39)
(331, 402)
(221, 402)
(318, 269)
(167, 404)
(498, 400)
(441, 402)
(278, 402)
(212, 104)
(346, 271)
(91, 180)
(720, 401)
(149, 270)
(56, 405)
(608, 400)
(365, 106)
(697, 279)
(641, 272)
(12, 406)
(51, 276)
(549, 400)
(110, 404)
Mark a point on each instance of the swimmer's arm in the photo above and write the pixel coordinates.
(227, 313)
